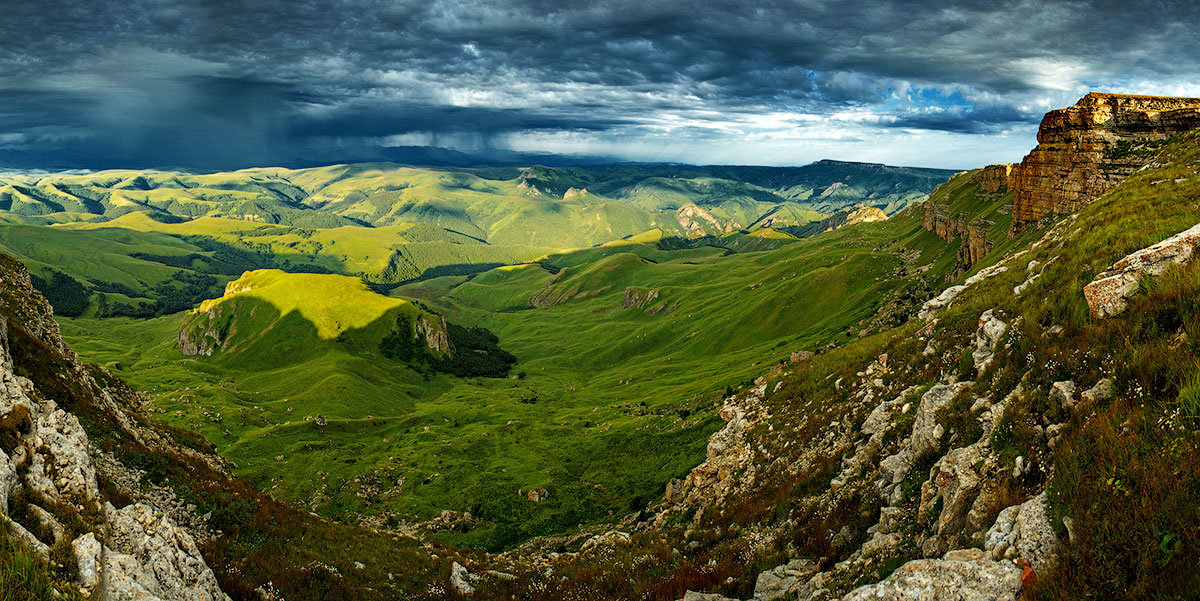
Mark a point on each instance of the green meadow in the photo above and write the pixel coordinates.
(621, 365)
(631, 298)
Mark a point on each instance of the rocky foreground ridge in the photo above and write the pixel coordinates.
(920, 491)
(1028, 434)
(50, 494)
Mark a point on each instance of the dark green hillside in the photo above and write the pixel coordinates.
(159, 241)
(621, 350)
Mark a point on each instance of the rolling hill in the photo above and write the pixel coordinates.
(161, 241)
(620, 351)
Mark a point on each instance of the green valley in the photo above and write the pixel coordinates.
(307, 380)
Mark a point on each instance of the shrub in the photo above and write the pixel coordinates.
(68, 297)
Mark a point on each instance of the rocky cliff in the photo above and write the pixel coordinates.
(995, 178)
(1087, 149)
(51, 472)
(941, 219)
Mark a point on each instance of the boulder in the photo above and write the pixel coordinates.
(987, 337)
(147, 557)
(461, 580)
(960, 481)
(8, 480)
(1102, 391)
(880, 418)
(1023, 531)
(939, 302)
(676, 489)
(88, 559)
(783, 580)
(1063, 393)
(1108, 294)
(26, 537)
(608, 540)
(61, 468)
(927, 432)
(895, 467)
(694, 596)
(926, 435)
(960, 575)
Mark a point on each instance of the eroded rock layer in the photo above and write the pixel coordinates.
(1086, 149)
(995, 178)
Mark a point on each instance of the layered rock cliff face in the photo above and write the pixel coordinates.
(995, 178)
(50, 473)
(973, 233)
(1087, 149)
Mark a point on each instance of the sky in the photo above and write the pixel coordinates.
(220, 84)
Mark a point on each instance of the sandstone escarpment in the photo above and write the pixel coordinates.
(975, 244)
(1087, 149)
(995, 178)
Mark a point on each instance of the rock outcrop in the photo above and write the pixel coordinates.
(1023, 531)
(843, 218)
(973, 233)
(461, 581)
(50, 466)
(1087, 149)
(432, 328)
(728, 465)
(926, 433)
(966, 575)
(147, 557)
(638, 298)
(930, 308)
(1109, 293)
(698, 221)
(959, 484)
(987, 336)
(784, 580)
(995, 179)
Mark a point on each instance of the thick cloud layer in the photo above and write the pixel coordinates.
(221, 83)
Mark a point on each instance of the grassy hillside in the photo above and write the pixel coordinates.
(631, 297)
(622, 351)
(386, 223)
(538, 206)
(1119, 471)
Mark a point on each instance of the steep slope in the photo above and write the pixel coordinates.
(975, 208)
(50, 495)
(99, 497)
(1010, 440)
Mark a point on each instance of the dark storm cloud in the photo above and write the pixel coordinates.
(219, 83)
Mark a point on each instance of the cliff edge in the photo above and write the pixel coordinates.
(1087, 149)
